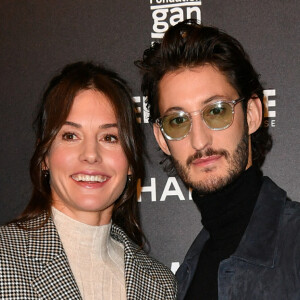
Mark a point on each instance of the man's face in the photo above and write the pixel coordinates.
(206, 159)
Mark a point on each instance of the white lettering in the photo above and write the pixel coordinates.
(273, 123)
(158, 16)
(269, 103)
(270, 123)
(174, 266)
(151, 188)
(145, 111)
(176, 18)
(167, 191)
(176, 192)
(197, 12)
(180, 3)
(170, 14)
(139, 111)
(137, 99)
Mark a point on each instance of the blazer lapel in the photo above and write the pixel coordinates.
(141, 276)
(56, 281)
(54, 278)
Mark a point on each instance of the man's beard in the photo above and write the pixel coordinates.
(237, 163)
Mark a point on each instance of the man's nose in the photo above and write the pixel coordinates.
(201, 135)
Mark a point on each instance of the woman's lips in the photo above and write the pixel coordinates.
(207, 160)
(90, 180)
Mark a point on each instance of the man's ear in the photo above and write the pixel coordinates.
(254, 114)
(160, 139)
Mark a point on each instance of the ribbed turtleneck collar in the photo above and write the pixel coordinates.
(93, 239)
(95, 258)
(226, 213)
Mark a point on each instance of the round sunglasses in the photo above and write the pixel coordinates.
(218, 115)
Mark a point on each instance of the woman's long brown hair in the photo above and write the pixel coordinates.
(54, 110)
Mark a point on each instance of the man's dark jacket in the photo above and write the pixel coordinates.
(266, 264)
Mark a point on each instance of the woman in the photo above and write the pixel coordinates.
(79, 237)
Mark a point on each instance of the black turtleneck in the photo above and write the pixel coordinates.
(225, 215)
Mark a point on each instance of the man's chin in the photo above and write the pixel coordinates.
(214, 177)
(210, 184)
(206, 180)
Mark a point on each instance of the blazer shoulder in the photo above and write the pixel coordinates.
(17, 236)
(12, 239)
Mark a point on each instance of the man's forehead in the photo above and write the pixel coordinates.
(193, 88)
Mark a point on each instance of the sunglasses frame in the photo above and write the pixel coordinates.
(232, 103)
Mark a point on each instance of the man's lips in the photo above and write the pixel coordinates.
(206, 160)
(207, 157)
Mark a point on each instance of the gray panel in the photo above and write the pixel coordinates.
(39, 37)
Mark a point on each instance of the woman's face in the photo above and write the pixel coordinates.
(88, 167)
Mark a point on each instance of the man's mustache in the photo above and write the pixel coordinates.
(205, 153)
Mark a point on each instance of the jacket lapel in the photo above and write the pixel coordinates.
(186, 271)
(140, 272)
(54, 278)
(260, 240)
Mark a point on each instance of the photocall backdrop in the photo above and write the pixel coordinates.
(39, 37)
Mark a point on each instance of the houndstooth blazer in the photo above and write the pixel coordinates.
(34, 265)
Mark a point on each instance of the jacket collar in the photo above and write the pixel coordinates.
(44, 244)
(43, 240)
(131, 250)
(260, 240)
(138, 265)
(53, 276)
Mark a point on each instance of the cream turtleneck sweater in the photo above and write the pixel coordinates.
(96, 260)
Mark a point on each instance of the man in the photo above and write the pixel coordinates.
(206, 107)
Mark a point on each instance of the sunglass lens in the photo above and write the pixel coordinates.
(176, 125)
(218, 115)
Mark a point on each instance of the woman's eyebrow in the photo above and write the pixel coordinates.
(109, 125)
(103, 126)
(72, 124)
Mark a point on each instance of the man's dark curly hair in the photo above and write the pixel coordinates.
(189, 44)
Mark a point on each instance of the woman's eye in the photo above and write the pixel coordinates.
(111, 138)
(69, 136)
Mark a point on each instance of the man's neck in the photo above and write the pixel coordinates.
(227, 212)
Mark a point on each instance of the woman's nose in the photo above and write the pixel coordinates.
(90, 152)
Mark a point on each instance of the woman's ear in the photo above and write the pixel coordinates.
(45, 164)
(160, 139)
(129, 171)
(254, 114)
